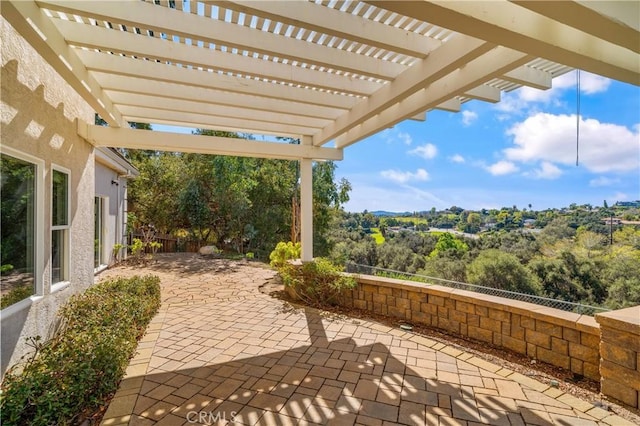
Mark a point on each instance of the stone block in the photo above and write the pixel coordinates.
(368, 296)
(591, 371)
(391, 301)
(450, 303)
(421, 317)
(397, 292)
(559, 346)
(403, 303)
(369, 288)
(537, 338)
(464, 329)
(620, 392)
(466, 307)
(385, 290)
(480, 334)
(553, 358)
(458, 316)
(415, 306)
(380, 308)
(570, 335)
(577, 366)
(584, 353)
(418, 297)
(618, 355)
(436, 300)
(429, 308)
(490, 324)
(483, 311)
(531, 350)
(624, 376)
(443, 312)
(517, 332)
(360, 304)
(497, 339)
(528, 322)
(516, 345)
(379, 298)
(548, 328)
(499, 314)
(397, 312)
(620, 338)
(449, 324)
(473, 320)
(590, 340)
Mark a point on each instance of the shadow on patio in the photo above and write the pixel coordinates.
(217, 359)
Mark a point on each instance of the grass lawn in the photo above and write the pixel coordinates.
(375, 233)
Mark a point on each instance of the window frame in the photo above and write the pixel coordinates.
(38, 261)
(64, 273)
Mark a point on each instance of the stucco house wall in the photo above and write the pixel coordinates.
(38, 113)
(112, 173)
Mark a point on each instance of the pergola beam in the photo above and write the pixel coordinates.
(119, 88)
(37, 29)
(614, 24)
(177, 53)
(484, 93)
(126, 137)
(475, 73)
(237, 112)
(201, 28)
(528, 76)
(314, 17)
(141, 70)
(513, 26)
(187, 119)
(444, 60)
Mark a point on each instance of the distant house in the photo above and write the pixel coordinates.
(612, 221)
(528, 223)
(628, 203)
(112, 172)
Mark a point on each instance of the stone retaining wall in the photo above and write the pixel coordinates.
(560, 338)
(620, 354)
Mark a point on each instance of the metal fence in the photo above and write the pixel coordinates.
(530, 298)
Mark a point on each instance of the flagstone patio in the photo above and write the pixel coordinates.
(221, 352)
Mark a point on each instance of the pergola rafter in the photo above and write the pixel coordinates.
(321, 71)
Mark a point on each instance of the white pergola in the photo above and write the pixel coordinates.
(322, 71)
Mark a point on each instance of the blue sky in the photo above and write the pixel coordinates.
(519, 151)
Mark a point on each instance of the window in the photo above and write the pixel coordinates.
(59, 226)
(17, 244)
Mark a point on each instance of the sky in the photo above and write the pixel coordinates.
(520, 151)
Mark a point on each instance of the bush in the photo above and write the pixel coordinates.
(284, 252)
(317, 283)
(72, 373)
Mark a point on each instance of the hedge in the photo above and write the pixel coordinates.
(76, 371)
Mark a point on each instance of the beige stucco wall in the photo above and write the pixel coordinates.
(37, 114)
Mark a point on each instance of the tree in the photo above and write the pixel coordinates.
(328, 197)
(494, 268)
(449, 245)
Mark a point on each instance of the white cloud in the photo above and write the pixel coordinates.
(404, 177)
(457, 158)
(603, 181)
(603, 147)
(468, 117)
(502, 168)
(547, 170)
(394, 135)
(620, 196)
(426, 151)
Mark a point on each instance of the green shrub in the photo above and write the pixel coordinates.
(284, 252)
(72, 373)
(15, 295)
(317, 283)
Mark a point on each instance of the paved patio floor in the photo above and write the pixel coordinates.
(221, 352)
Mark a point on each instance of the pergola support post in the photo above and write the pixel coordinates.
(306, 205)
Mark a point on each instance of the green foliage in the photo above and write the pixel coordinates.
(84, 361)
(15, 295)
(450, 245)
(318, 283)
(494, 268)
(117, 248)
(284, 252)
(6, 268)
